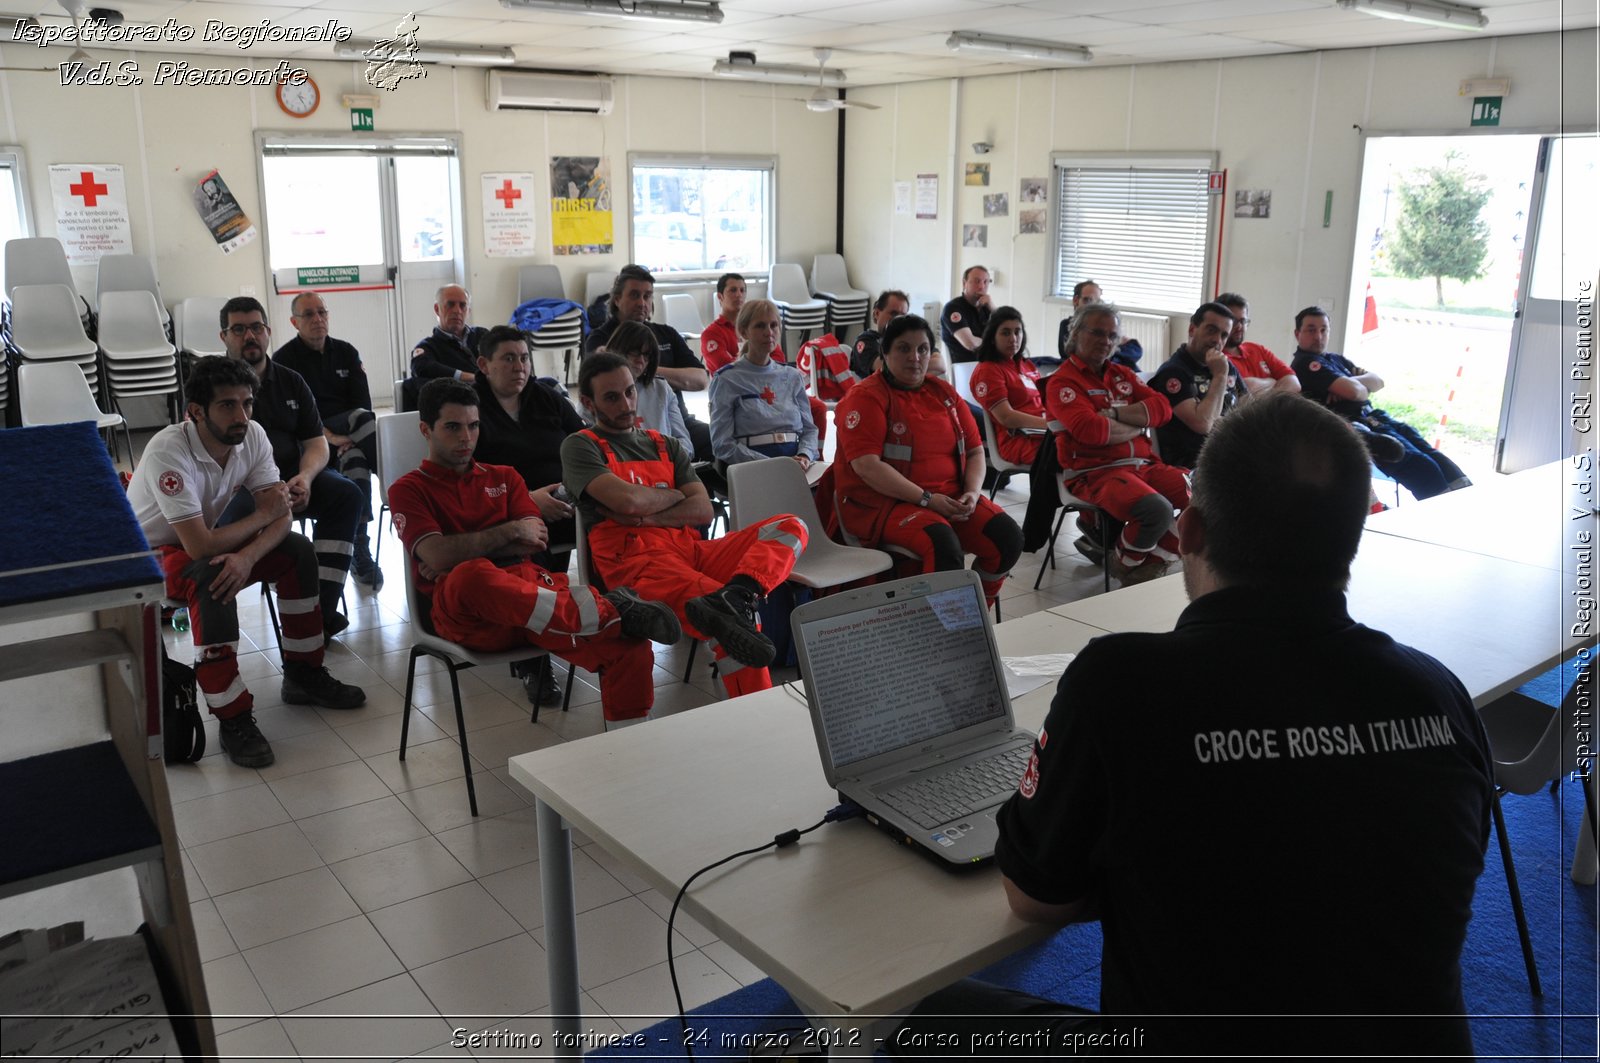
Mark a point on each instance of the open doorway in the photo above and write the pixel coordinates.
(1438, 261)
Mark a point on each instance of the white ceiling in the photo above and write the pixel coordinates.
(875, 42)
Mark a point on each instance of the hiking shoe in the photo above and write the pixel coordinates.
(332, 624)
(729, 616)
(243, 741)
(1150, 568)
(305, 685)
(366, 570)
(645, 620)
(1089, 548)
(539, 680)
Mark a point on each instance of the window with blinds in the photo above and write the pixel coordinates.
(1140, 228)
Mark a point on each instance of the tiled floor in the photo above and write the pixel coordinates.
(341, 882)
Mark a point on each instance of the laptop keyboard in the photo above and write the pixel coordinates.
(962, 790)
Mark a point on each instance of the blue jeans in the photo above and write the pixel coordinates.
(1423, 471)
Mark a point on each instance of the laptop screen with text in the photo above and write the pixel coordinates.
(902, 672)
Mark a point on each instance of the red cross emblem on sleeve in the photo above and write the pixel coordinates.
(88, 189)
(508, 194)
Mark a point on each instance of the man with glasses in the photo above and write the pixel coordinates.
(1259, 369)
(1085, 293)
(332, 369)
(1099, 411)
(287, 409)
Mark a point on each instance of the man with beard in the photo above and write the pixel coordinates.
(179, 494)
(287, 409)
(633, 299)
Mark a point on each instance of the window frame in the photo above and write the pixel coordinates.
(1059, 287)
(13, 158)
(767, 164)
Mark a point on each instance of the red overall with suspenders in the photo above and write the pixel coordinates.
(673, 565)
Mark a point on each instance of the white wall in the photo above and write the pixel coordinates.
(169, 137)
(1289, 123)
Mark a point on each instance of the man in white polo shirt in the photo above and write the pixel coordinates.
(189, 473)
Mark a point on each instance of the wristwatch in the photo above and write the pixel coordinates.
(927, 496)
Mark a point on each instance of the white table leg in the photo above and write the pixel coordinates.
(561, 929)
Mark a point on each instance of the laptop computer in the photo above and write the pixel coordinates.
(908, 701)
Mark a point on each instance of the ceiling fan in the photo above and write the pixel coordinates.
(74, 8)
(819, 100)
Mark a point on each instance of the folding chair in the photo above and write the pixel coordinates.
(57, 393)
(539, 282)
(679, 312)
(1004, 469)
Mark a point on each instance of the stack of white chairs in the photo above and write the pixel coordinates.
(563, 333)
(46, 326)
(786, 286)
(128, 273)
(5, 387)
(846, 305)
(681, 314)
(139, 360)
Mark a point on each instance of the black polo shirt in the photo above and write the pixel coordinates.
(334, 374)
(287, 409)
(1179, 379)
(956, 315)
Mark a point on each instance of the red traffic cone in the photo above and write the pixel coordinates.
(1369, 317)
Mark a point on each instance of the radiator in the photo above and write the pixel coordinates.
(1151, 331)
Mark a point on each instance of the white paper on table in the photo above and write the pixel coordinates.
(1026, 674)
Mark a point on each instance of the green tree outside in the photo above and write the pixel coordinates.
(1441, 232)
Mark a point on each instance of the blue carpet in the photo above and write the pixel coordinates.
(1508, 1020)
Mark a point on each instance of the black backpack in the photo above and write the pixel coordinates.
(182, 730)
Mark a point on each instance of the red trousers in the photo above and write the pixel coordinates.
(486, 607)
(672, 565)
(1119, 489)
(906, 527)
(291, 567)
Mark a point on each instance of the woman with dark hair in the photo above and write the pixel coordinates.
(910, 468)
(658, 406)
(759, 406)
(1006, 385)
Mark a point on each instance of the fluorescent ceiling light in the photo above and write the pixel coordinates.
(1427, 12)
(789, 75)
(664, 10)
(465, 54)
(1017, 47)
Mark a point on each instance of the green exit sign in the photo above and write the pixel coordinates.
(361, 120)
(315, 275)
(1486, 110)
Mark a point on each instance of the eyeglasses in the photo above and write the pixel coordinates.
(323, 312)
(1102, 334)
(255, 328)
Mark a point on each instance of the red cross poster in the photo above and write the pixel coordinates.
(580, 205)
(508, 215)
(91, 201)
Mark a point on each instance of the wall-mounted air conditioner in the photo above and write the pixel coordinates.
(521, 90)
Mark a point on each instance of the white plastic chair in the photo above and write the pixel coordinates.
(539, 282)
(846, 305)
(38, 260)
(680, 313)
(45, 327)
(1071, 503)
(1532, 747)
(1003, 469)
(766, 488)
(139, 360)
(786, 286)
(127, 273)
(57, 393)
(196, 329)
(594, 286)
(401, 448)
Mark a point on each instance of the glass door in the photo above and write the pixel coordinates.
(373, 225)
(1537, 422)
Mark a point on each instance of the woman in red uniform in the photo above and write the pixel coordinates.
(1006, 384)
(910, 468)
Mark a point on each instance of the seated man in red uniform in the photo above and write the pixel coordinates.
(469, 530)
(910, 468)
(1099, 411)
(642, 504)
